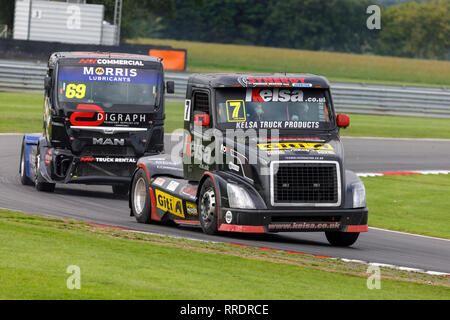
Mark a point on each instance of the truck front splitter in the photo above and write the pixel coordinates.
(264, 221)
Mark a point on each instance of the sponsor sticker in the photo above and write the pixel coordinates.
(305, 226)
(273, 81)
(188, 191)
(295, 146)
(191, 208)
(278, 125)
(302, 85)
(115, 160)
(109, 74)
(113, 62)
(169, 203)
(78, 118)
(159, 182)
(94, 115)
(273, 95)
(173, 185)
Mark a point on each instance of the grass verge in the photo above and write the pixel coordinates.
(212, 57)
(116, 264)
(416, 204)
(22, 113)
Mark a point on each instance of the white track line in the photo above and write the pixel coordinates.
(397, 173)
(396, 139)
(410, 234)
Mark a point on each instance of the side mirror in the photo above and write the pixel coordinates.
(202, 120)
(343, 121)
(47, 83)
(170, 86)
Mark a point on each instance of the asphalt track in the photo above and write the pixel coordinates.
(98, 205)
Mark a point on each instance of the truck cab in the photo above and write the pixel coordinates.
(260, 153)
(102, 112)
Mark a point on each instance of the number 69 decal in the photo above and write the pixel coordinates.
(75, 91)
(236, 111)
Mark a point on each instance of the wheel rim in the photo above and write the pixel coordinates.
(140, 196)
(208, 206)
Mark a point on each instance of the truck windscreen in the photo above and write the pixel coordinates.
(273, 108)
(108, 86)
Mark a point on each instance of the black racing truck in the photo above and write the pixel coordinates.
(259, 154)
(102, 112)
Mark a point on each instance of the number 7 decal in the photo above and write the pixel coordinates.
(236, 111)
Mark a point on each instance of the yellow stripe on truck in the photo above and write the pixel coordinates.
(295, 146)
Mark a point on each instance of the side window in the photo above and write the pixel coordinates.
(201, 105)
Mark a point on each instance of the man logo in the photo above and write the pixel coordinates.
(108, 142)
(99, 71)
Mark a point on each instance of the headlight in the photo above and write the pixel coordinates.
(239, 198)
(359, 195)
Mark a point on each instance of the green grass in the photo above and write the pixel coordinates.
(397, 127)
(36, 252)
(211, 57)
(416, 204)
(22, 113)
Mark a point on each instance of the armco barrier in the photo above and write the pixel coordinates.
(348, 97)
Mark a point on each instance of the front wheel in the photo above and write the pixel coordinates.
(22, 169)
(39, 182)
(207, 208)
(342, 239)
(140, 198)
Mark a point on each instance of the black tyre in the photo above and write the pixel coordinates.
(22, 169)
(140, 197)
(39, 182)
(207, 207)
(120, 190)
(342, 239)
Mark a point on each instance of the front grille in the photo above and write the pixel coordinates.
(86, 169)
(306, 183)
(113, 151)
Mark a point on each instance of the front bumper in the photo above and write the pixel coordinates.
(304, 220)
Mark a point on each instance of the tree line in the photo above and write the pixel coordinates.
(419, 29)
